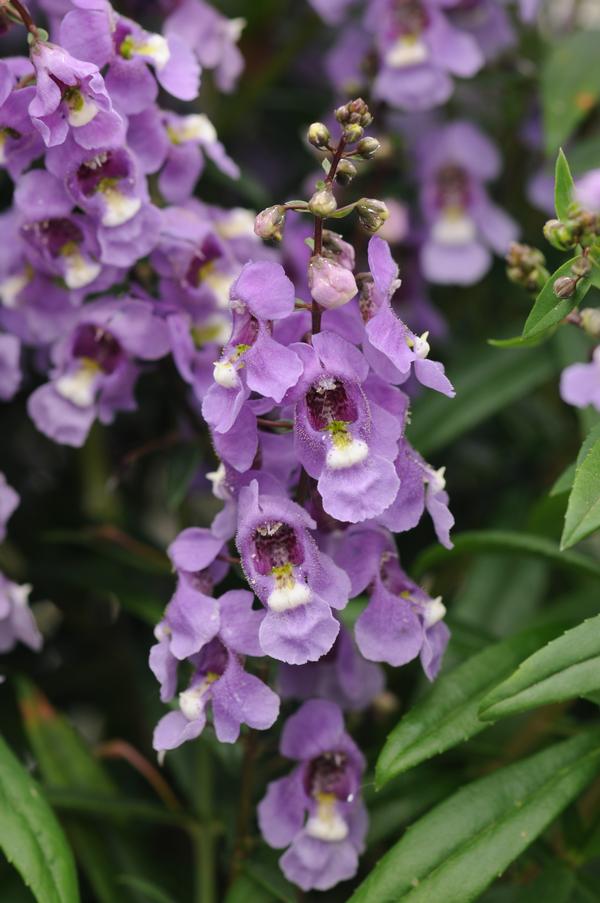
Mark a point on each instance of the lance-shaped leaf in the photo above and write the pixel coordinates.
(570, 86)
(31, 837)
(548, 309)
(566, 668)
(583, 510)
(448, 714)
(564, 187)
(455, 851)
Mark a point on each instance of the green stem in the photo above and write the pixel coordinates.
(203, 838)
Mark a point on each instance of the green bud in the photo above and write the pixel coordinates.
(581, 266)
(345, 172)
(559, 235)
(367, 147)
(372, 214)
(353, 132)
(319, 135)
(322, 203)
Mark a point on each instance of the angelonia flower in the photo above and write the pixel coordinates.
(580, 383)
(293, 362)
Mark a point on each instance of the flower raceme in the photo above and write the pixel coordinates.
(296, 366)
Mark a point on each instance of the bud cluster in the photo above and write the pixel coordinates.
(526, 266)
(581, 228)
(566, 286)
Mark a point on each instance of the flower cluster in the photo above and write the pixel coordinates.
(109, 265)
(307, 408)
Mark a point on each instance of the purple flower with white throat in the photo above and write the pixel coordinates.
(401, 621)
(71, 97)
(17, 624)
(344, 440)
(252, 361)
(56, 241)
(391, 348)
(96, 33)
(219, 679)
(298, 584)
(419, 51)
(463, 223)
(421, 488)
(317, 811)
(580, 383)
(94, 373)
(9, 502)
(20, 142)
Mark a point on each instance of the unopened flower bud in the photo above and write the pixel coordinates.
(356, 111)
(269, 223)
(581, 266)
(590, 321)
(337, 249)
(345, 172)
(319, 135)
(353, 132)
(526, 267)
(323, 203)
(564, 287)
(367, 147)
(331, 285)
(371, 213)
(559, 235)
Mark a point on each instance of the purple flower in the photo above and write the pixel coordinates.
(421, 487)
(463, 223)
(580, 383)
(331, 11)
(94, 371)
(487, 21)
(317, 811)
(342, 676)
(401, 621)
(236, 697)
(211, 36)
(10, 366)
(96, 33)
(252, 361)
(344, 440)
(70, 96)
(17, 624)
(387, 335)
(9, 502)
(56, 241)
(419, 52)
(20, 143)
(296, 582)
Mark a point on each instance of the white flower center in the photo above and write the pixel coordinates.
(19, 595)
(234, 29)
(79, 271)
(408, 50)
(120, 208)
(225, 374)
(156, 47)
(287, 595)
(346, 453)
(421, 346)
(454, 227)
(81, 109)
(80, 387)
(238, 224)
(434, 611)
(196, 127)
(192, 701)
(11, 288)
(437, 480)
(327, 823)
(219, 485)
(219, 283)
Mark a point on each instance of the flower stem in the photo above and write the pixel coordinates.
(24, 15)
(204, 846)
(317, 311)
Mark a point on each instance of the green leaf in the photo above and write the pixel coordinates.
(570, 85)
(448, 713)
(30, 836)
(519, 341)
(455, 851)
(583, 510)
(506, 541)
(563, 187)
(565, 480)
(484, 386)
(149, 892)
(549, 310)
(182, 466)
(566, 668)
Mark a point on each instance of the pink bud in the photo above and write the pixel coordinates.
(331, 285)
